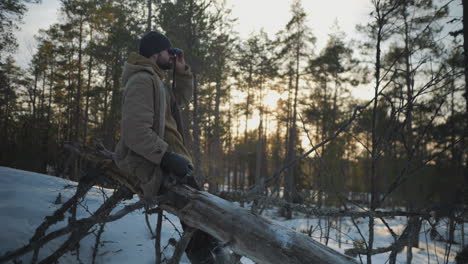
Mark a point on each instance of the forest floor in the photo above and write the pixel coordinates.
(27, 197)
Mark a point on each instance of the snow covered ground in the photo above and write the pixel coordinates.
(27, 197)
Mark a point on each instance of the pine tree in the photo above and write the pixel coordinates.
(333, 73)
(296, 42)
(256, 66)
(379, 30)
(11, 81)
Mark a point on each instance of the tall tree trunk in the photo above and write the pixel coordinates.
(288, 117)
(76, 138)
(45, 140)
(88, 90)
(106, 103)
(244, 164)
(259, 180)
(235, 178)
(78, 88)
(217, 151)
(265, 157)
(196, 133)
(236, 154)
(150, 14)
(68, 111)
(259, 184)
(409, 86)
(51, 89)
(374, 150)
(34, 96)
(465, 59)
(70, 95)
(6, 118)
(409, 116)
(109, 139)
(291, 195)
(229, 157)
(42, 98)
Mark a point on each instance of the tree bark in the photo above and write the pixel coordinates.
(259, 180)
(78, 88)
(6, 115)
(245, 233)
(75, 172)
(259, 166)
(373, 176)
(106, 102)
(290, 180)
(148, 19)
(217, 148)
(197, 132)
(109, 140)
(88, 90)
(465, 49)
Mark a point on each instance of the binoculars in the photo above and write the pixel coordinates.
(175, 52)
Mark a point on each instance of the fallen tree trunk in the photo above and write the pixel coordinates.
(240, 230)
(245, 233)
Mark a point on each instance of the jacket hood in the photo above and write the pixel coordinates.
(137, 63)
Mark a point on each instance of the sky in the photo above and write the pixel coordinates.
(39, 16)
(256, 14)
(252, 15)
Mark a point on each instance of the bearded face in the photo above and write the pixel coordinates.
(164, 60)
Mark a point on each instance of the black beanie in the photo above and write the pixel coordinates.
(153, 42)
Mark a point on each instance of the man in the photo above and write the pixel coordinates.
(151, 148)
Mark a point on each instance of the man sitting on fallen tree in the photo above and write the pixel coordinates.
(151, 149)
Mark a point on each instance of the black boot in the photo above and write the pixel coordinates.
(201, 248)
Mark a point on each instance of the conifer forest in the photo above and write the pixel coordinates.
(276, 124)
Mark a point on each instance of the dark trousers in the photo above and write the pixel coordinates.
(202, 246)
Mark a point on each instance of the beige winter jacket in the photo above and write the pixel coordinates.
(150, 110)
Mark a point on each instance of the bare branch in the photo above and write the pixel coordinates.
(99, 217)
(182, 245)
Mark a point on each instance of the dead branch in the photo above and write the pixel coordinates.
(99, 217)
(182, 245)
(58, 215)
(398, 245)
(97, 242)
(157, 242)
